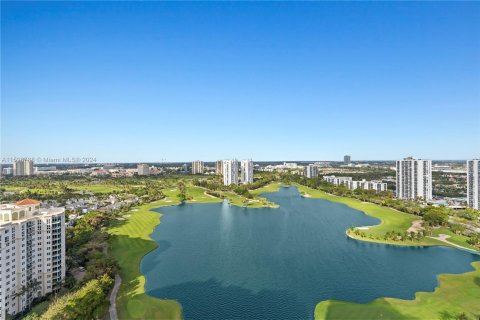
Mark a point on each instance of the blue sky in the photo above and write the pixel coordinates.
(147, 81)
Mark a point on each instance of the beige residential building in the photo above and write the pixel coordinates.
(32, 253)
(219, 167)
(246, 171)
(197, 167)
(23, 167)
(311, 171)
(143, 169)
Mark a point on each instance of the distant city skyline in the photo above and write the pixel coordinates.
(215, 162)
(272, 81)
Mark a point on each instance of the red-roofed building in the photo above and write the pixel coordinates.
(27, 202)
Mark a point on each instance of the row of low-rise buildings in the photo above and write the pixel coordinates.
(32, 253)
(414, 181)
(351, 184)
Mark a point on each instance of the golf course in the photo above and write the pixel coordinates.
(130, 242)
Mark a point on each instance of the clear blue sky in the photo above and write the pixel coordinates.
(144, 81)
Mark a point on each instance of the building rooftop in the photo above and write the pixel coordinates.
(24, 210)
(26, 202)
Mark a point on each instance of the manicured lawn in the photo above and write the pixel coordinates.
(257, 202)
(455, 294)
(454, 238)
(199, 195)
(272, 187)
(20, 189)
(96, 188)
(14, 188)
(130, 241)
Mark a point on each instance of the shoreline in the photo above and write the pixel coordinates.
(431, 241)
(132, 237)
(425, 304)
(445, 244)
(133, 301)
(130, 242)
(385, 307)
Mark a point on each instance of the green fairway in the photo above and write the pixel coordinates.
(96, 188)
(272, 187)
(55, 187)
(454, 238)
(198, 194)
(455, 294)
(130, 241)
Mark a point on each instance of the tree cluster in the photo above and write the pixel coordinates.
(88, 302)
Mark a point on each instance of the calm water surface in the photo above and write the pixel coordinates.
(226, 262)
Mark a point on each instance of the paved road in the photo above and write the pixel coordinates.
(113, 298)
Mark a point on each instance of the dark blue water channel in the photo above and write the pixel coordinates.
(226, 262)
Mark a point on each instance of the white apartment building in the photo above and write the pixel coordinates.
(23, 167)
(351, 184)
(246, 167)
(337, 180)
(143, 169)
(230, 172)
(311, 171)
(414, 179)
(219, 167)
(38, 170)
(197, 167)
(378, 186)
(32, 253)
(473, 183)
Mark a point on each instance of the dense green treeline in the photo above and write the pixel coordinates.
(88, 302)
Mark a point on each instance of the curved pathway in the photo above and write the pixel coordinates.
(444, 237)
(113, 298)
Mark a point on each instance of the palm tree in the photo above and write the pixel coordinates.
(31, 287)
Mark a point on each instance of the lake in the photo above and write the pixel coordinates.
(225, 262)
